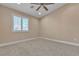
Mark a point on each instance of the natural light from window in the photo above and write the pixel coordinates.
(20, 24)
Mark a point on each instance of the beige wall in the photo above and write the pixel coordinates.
(62, 24)
(6, 34)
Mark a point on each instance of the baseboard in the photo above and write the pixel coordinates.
(16, 42)
(29, 39)
(61, 41)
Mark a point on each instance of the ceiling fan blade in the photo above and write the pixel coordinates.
(48, 3)
(36, 3)
(45, 8)
(38, 8)
(42, 3)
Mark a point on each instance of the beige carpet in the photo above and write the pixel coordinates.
(39, 47)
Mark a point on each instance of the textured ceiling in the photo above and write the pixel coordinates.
(26, 8)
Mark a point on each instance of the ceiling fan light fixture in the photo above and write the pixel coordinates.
(18, 3)
(39, 13)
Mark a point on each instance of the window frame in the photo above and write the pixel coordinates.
(21, 24)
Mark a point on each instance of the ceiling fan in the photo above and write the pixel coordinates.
(41, 5)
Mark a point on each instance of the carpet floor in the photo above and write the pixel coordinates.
(39, 47)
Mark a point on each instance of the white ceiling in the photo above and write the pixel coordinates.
(25, 7)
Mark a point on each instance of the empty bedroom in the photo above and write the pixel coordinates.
(39, 29)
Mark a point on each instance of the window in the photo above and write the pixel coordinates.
(20, 24)
(25, 24)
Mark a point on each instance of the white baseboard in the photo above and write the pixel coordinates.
(20, 41)
(15, 42)
(60, 41)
